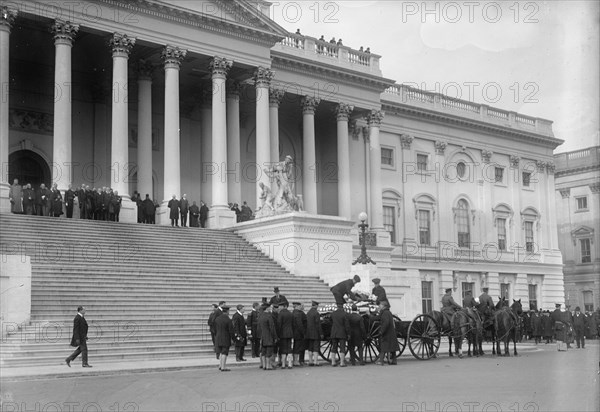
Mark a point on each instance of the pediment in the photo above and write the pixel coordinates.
(582, 231)
(242, 13)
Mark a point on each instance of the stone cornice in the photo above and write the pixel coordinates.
(329, 72)
(446, 118)
(575, 170)
(268, 34)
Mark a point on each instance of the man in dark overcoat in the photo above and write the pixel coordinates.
(194, 215)
(388, 341)
(299, 328)
(203, 214)
(211, 325)
(223, 337)
(184, 207)
(116, 202)
(57, 201)
(344, 288)
(358, 334)
(379, 292)
(69, 199)
(268, 337)
(536, 326)
(285, 332)
(79, 339)
(252, 324)
(313, 334)
(340, 334)
(579, 324)
(28, 200)
(173, 205)
(278, 298)
(15, 195)
(42, 200)
(240, 333)
(469, 300)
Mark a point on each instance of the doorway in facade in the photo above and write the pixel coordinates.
(28, 167)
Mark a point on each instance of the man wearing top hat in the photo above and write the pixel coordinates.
(217, 311)
(313, 334)
(379, 291)
(278, 298)
(344, 288)
(223, 337)
(579, 324)
(299, 329)
(240, 333)
(252, 324)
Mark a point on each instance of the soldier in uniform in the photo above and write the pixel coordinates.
(313, 334)
(240, 333)
(340, 334)
(268, 337)
(252, 324)
(344, 288)
(285, 332)
(379, 291)
(469, 300)
(299, 328)
(223, 337)
(449, 306)
(358, 334)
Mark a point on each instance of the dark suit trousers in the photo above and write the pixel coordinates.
(184, 219)
(255, 347)
(82, 348)
(70, 211)
(358, 347)
(580, 337)
(239, 352)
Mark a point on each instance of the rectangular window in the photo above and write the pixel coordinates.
(467, 286)
(526, 179)
(504, 288)
(533, 297)
(499, 174)
(501, 224)
(424, 230)
(387, 156)
(389, 222)
(582, 203)
(586, 251)
(421, 163)
(427, 296)
(588, 301)
(529, 236)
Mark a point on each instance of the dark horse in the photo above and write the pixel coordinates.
(467, 323)
(446, 327)
(507, 325)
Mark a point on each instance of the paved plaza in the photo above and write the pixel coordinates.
(539, 379)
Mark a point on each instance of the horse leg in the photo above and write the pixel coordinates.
(515, 347)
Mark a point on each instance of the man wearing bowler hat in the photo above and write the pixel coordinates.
(579, 324)
(344, 288)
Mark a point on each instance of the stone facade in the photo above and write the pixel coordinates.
(457, 194)
(577, 197)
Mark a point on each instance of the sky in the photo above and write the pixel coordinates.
(538, 58)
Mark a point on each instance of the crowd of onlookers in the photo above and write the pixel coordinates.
(538, 325)
(94, 203)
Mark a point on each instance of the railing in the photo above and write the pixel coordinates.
(578, 158)
(317, 48)
(437, 101)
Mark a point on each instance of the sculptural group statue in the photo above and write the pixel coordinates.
(283, 200)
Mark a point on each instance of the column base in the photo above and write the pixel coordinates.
(162, 214)
(220, 218)
(128, 213)
(4, 202)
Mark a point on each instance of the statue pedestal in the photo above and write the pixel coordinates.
(304, 244)
(220, 218)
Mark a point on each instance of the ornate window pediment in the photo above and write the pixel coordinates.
(530, 214)
(424, 201)
(582, 232)
(503, 211)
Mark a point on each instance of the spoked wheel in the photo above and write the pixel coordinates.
(424, 337)
(325, 350)
(371, 349)
(400, 335)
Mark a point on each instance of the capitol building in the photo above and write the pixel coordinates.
(162, 99)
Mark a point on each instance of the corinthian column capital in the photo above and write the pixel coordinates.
(374, 118)
(263, 76)
(275, 97)
(406, 140)
(172, 56)
(121, 44)
(64, 31)
(144, 70)
(219, 66)
(342, 111)
(309, 104)
(7, 18)
(233, 89)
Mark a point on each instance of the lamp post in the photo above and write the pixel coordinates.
(363, 259)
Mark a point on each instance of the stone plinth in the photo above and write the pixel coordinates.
(305, 244)
(15, 292)
(220, 218)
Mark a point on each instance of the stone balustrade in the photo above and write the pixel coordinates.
(577, 158)
(319, 50)
(464, 108)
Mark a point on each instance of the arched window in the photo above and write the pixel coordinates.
(461, 216)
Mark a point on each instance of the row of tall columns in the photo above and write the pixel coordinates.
(7, 18)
